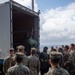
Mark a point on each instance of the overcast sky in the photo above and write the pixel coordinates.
(57, 20)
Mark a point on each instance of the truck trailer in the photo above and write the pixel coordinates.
(16, 22)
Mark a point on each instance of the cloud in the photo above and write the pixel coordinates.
(58, 25)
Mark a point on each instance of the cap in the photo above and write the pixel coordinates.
(19, 54)
(11, 49)
(21, 47)
(33, 49)
(55, 54)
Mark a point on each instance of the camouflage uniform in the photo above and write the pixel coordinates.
(19, 68)
(8, 61)
(56, 70)
(72, 56)
(66, 56)
(70, 67)
(25, 60)
(6, 64)
(21, 49)
(34, 65)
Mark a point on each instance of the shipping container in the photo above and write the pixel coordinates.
(17, 23)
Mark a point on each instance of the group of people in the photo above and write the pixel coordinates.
(66, 64)
(20, 64)
(58, 61)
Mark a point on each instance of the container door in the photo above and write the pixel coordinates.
(4, 30)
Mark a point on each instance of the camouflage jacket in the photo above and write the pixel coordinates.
(18, 69)
(57, 71)
(8, 62)
(72, 56)
(34, 65)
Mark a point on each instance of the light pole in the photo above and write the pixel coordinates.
(33, 5)
(10, 0)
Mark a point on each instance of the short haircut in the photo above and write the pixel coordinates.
(45, 48)
(33, 51)
(72, 44)
(66, 46)
(56, 60)
(19, 59)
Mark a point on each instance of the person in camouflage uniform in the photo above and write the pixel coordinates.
(8, 61)
(55, 69)
(70, 67)
(66, 53)
(72, 53)
(21, 49)
(18, 68)
(33, 63)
